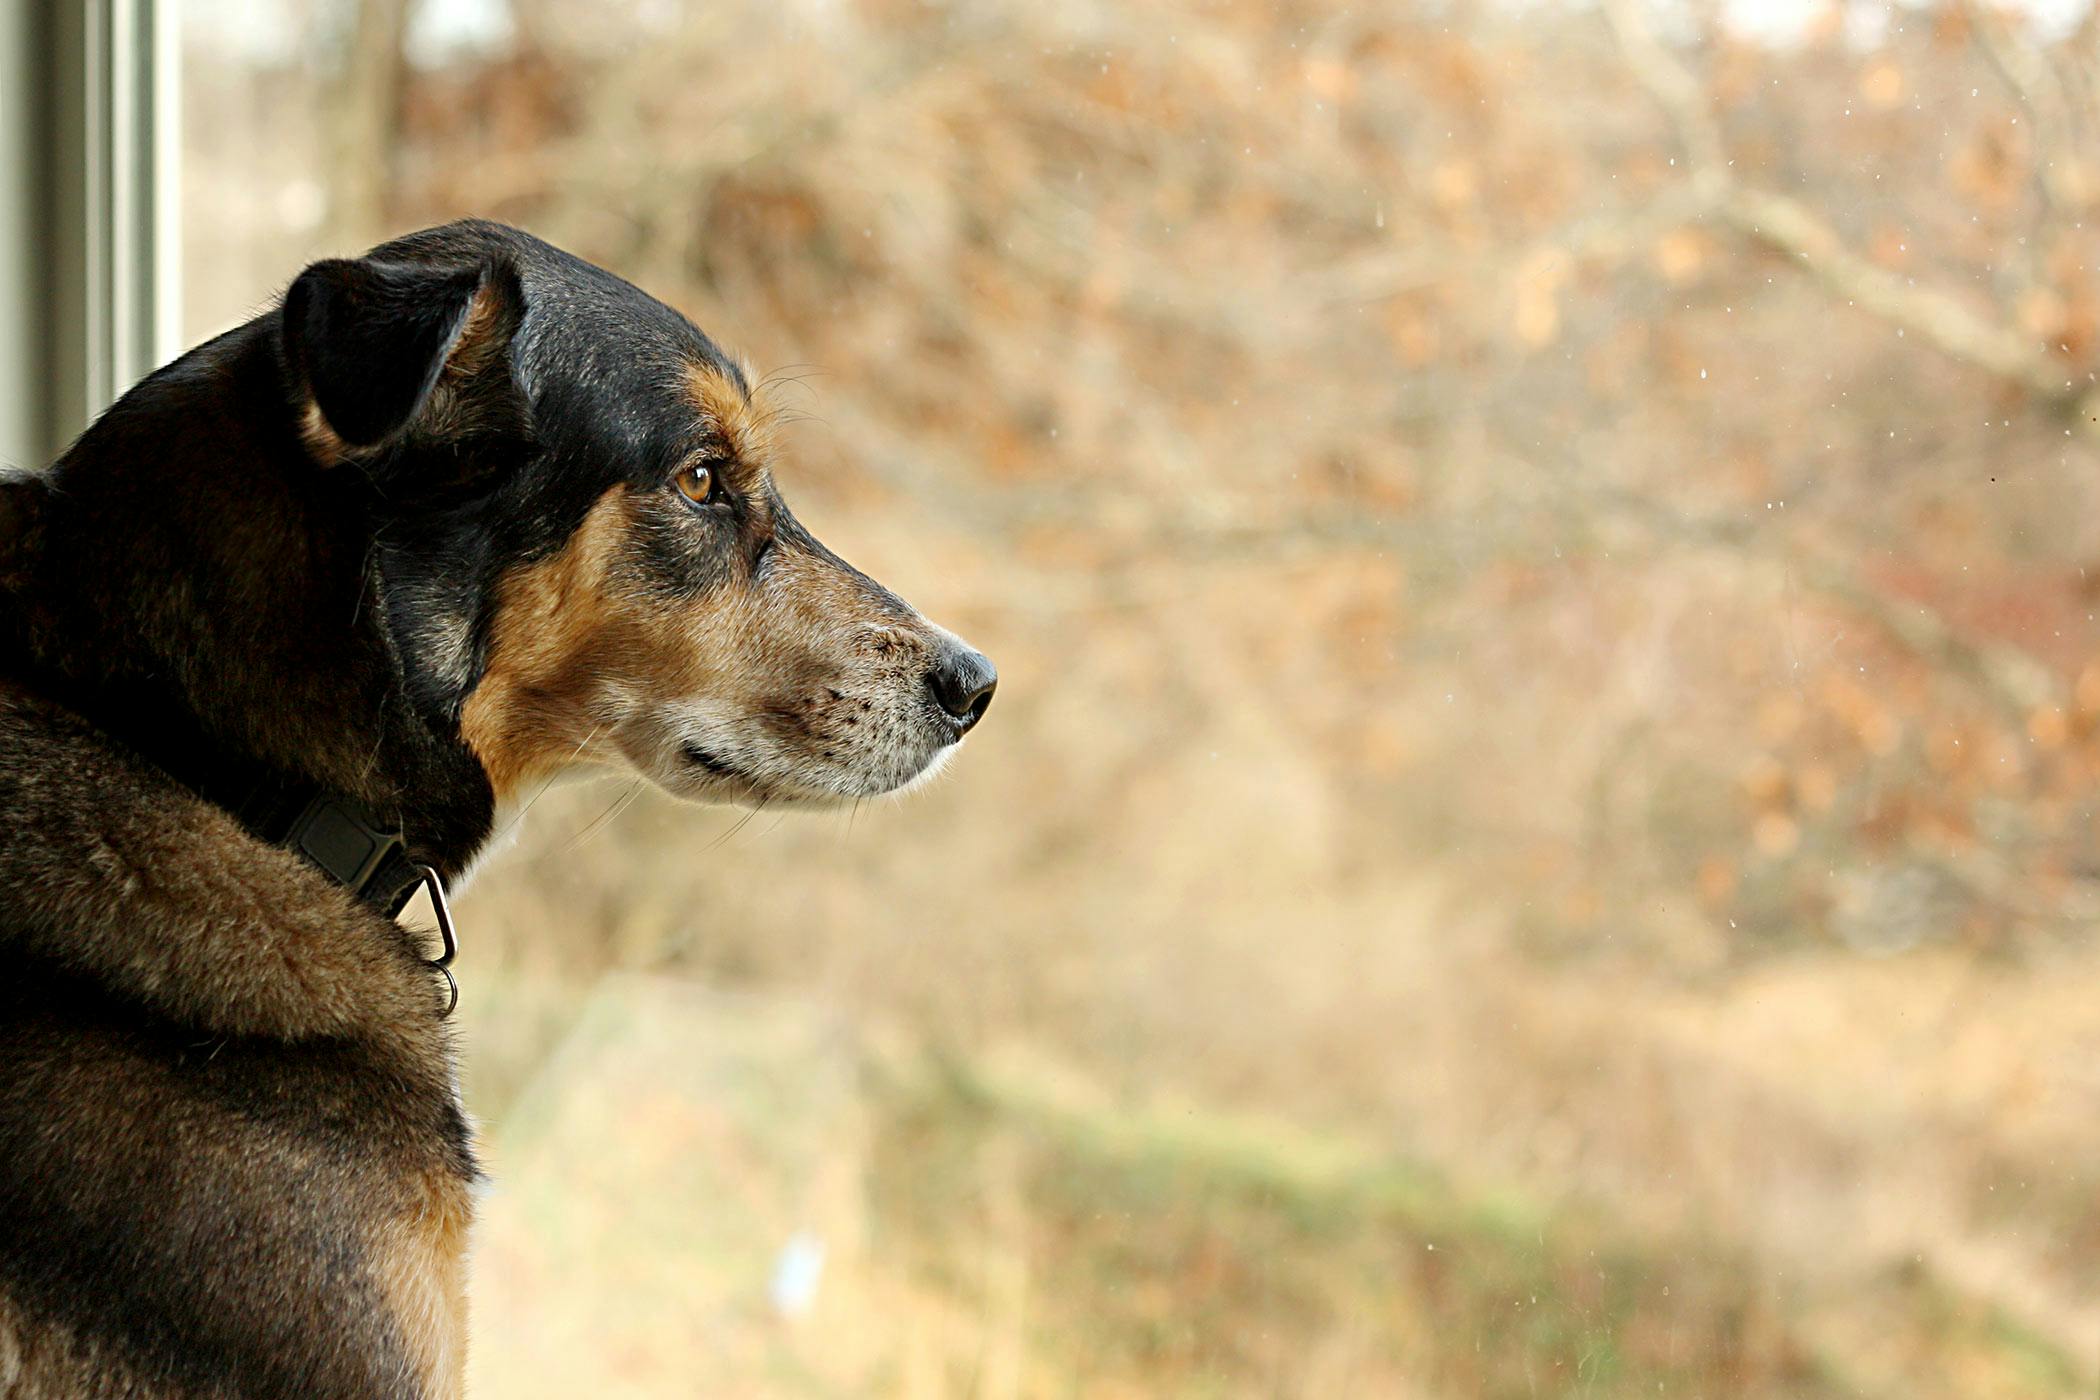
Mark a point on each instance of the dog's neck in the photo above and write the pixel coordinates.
(193, 583)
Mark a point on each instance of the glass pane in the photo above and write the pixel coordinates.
(1537, 835)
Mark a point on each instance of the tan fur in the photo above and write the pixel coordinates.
(47, 1362)
(10, 1348)
(320, 439)
(532, 710)
(576, 640)
(458, 403)
(480, 341)
(747, 422)
(564, 626)
(420, 1262)
(579, 651)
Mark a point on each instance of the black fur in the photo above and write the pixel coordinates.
(191, 1163)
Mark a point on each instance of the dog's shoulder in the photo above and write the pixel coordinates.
(117, 876)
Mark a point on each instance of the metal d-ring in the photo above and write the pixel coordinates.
(435, 883)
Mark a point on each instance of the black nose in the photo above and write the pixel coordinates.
(962, 682)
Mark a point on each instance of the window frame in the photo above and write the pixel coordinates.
(90, 230)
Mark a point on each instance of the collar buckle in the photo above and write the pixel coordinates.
(343, 839)
(353, 848)
(372, 862)
(435, 883)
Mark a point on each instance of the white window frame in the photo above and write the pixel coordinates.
(90, 219)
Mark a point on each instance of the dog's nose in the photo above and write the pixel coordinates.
(962, 681)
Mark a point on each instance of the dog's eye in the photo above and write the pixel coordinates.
(697, 482)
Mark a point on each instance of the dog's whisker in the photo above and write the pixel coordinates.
(738, 825)
(378, 739)
(617, 806)
(541, 791)
(367, 575)
(789, 374)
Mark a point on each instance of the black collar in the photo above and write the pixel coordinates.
(349, 844)
(342, 838)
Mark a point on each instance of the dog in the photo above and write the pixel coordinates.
(281, 636)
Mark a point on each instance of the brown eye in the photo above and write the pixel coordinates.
(698, 483)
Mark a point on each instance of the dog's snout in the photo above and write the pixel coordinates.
(962, 681)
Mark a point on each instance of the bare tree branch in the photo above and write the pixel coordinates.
(1786, 225)
(2011, 679)
(1609, 236)
(366, 117)
(2060, 170)
(1674, 89)
(1939, 317)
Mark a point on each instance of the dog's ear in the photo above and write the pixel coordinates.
(372, 340)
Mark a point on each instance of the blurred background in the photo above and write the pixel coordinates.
(1538, 833)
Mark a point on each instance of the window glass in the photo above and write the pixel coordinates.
(1537, 835)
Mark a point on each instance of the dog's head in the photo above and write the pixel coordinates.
(583, 552)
